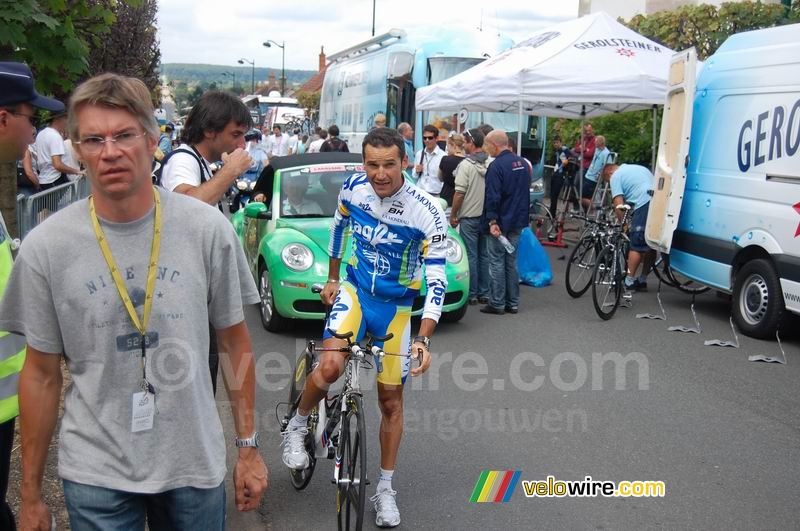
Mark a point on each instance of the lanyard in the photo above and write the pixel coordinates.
(141, 326)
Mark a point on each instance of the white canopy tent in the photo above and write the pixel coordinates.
(581, 68)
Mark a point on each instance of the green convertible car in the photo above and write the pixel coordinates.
(286, 239)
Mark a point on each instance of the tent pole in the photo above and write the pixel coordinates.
(519, 130)
(655, 140)
(580, 162)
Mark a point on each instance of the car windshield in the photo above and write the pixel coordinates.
(314, 191)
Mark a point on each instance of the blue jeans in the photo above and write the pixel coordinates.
(101, 509)
(477, 255)
(503, 271)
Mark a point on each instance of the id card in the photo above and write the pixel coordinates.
(142, 411)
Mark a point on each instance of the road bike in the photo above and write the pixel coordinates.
(582, 259)
(336, 426)
(611, 267)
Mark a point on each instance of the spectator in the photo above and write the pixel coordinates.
(468, 199)
(427, 161)
(18, 104)
(407, 132)
(214, 130)
(106, 461)
(631, 183)
(50, 151)
(302, 146)
(315, 146)
(293, 140)
(506, 209)
(561, 170)
(165, 139)
(28, 180)
(585, 153)
(485, 129)
(315, 135)
(70, 159)
(455, 154)
(379, 120)
(334, 143)
(277, 143)
(599, 160)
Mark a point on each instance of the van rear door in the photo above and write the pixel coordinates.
(673, 152)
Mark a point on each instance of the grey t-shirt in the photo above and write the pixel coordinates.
(62, 297)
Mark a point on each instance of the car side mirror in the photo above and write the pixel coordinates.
(443, 203)
(257, 210)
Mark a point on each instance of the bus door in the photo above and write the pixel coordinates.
(673, 152)
(400, 90)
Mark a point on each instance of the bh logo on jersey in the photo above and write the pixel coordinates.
(376, 235)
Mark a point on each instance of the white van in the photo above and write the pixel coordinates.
(726, 195)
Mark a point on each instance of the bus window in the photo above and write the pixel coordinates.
(399, 90)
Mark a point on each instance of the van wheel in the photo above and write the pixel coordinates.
(757, 299)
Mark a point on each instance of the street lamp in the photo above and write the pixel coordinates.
(269, 44)
(232, 74)
(253, 64)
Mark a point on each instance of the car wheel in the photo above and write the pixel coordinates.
(757, 299)
(270, 318)
(455, 315)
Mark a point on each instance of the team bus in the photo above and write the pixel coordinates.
(726, 198)
(381, 75)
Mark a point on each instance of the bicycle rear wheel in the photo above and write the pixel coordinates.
(606, 284)
(542, 222)
(302, 369)
(580, 267)
(352, 455)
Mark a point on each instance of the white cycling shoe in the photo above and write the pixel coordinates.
(386, 507)
(294, 450)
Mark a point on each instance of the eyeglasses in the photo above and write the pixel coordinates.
(94, 144)
(428, 137)
(31, 117)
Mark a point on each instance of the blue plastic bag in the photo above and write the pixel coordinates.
(532, 261)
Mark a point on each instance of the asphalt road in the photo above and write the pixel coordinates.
(529, 393)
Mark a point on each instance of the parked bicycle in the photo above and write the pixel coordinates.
(336, 426)
(582, 259)
(611, 267)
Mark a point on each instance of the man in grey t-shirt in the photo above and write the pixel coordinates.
(140, 439)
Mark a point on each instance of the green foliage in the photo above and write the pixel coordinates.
(309, 101)
(706, 26)
(53, 37)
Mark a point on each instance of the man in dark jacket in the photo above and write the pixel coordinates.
(506, 209)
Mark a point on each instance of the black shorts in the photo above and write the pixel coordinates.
(588, 188)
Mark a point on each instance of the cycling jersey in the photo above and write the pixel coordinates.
(392, 239)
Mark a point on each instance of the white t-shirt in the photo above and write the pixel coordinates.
(314, 146)
(182, 168)
(429, 180)
(293, 140)
(278, 146)
(48, 143)
(70, 159)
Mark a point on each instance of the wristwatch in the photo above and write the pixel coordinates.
(424, 340)
(254, 441)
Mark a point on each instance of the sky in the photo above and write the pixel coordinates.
(221, 32)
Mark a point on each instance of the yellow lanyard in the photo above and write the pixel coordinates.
(152, 269)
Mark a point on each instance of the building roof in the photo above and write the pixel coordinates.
(314, 84)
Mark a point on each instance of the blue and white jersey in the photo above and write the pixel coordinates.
(393, 238)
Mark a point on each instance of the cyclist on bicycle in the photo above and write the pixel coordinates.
(631, 183)
(397, 231)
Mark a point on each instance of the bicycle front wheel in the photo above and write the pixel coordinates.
(606, 284)
(302, 369)
(352, 456)
(580, 267)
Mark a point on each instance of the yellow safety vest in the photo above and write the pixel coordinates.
(12, 346)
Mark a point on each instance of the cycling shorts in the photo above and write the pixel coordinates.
(358, 312)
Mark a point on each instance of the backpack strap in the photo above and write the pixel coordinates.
(194, 153)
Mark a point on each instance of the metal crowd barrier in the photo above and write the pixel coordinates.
(34, 209)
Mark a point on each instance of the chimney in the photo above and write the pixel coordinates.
(322, 58)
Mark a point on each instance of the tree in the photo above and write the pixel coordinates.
(131, 46)
(309, 101)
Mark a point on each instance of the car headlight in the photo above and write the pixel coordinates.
(297, 257)
(241, 185)
(537, 187)
(251, 185)
(454, 253)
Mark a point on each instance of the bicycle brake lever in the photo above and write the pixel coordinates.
(420, 356)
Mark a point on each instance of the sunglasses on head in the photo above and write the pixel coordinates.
(468, 135)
